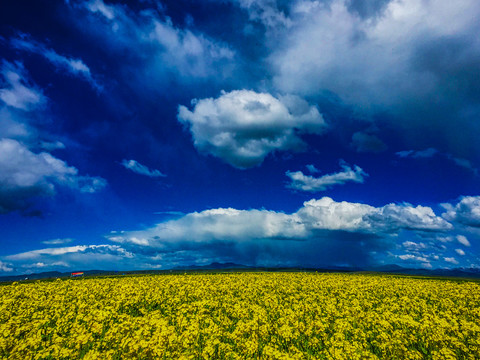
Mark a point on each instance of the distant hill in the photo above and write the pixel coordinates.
(389, 269)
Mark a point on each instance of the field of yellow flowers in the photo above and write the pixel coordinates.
(241, 316)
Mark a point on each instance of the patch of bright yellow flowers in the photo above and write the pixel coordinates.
(241, 316)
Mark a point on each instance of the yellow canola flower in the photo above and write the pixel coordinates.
(241, 316)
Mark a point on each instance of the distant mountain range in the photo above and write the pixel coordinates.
(389, 269)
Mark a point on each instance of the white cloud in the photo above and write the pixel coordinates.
(42, 265)
(71, 65)
(138, 168)
(300, 181)
(444, 239)
(265, 12)
(413, 257)
(242, 127)
(451, 260)
(157, 47)
(366, 60)
(62, 251)
(463, 240)
(412, 60)
(5, 267)
(321, 232)
(232, 225)
(16, 93)
(99, 6)
(460, 252)
(57, 241)
(413, 246)
(466, 211)
(81, 257)
(25, 174)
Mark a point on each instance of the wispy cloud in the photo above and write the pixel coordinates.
(312, 168)
(57, 241)
(431, 152)
(418, 154)
(157, 47)
(140, 169)
(16, 92)
(300, 181)
(73, 66)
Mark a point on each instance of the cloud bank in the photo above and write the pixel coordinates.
(320, 230)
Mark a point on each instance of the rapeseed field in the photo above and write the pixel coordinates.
(241, 316)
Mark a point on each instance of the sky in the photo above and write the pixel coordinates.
(160, 134)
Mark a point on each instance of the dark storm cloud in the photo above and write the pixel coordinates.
(419, 67)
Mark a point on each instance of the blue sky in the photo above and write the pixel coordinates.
(155, 134)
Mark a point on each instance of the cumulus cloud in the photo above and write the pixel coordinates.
(460, 252)
(138, 168)
(413, 246)
(73, 66)
(15, 91)
(463, 240)
(242, 127)
(466, 211)
(320, 230)
(300, 181)
(451, 260)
